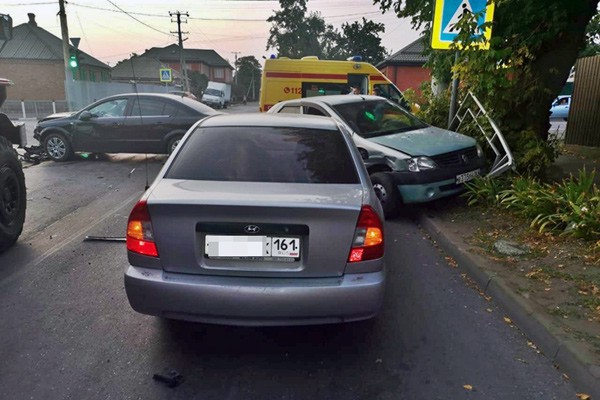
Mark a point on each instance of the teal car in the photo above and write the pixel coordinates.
(408, 161)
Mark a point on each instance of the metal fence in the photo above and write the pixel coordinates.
(584, 113)
(19, 109)
(80, 94)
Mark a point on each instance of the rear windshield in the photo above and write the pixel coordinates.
(265, 154)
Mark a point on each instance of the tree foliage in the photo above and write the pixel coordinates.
(247, 78)
(533, 47)
(296, 34)
(592, 34)
(363, 39)
(198, 82)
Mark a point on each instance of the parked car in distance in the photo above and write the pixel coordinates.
(408, 160)
(560, 107)
(259, 219)
(126, 123)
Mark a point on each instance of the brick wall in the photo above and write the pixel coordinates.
(34, 80)
(406, 77)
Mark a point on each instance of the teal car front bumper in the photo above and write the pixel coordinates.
(422, 193)
(428, 185)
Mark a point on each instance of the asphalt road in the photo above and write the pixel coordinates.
(67, 331)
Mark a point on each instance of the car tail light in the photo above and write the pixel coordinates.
(368, 237)
(140, 238)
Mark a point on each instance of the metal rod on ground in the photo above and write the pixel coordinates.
(104, 239)
(453, 96)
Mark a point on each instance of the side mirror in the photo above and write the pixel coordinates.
(85, 116)
(364, 154)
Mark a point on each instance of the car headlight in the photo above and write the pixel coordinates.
(480, 153)
(417, 164)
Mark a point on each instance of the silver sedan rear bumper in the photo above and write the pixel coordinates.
(255, 301)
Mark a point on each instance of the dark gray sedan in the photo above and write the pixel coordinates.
(259, 220)
(126, 123)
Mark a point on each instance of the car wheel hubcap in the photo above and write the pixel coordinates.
(9, 198)
(56, 147)
(174, 145)
(380, 192)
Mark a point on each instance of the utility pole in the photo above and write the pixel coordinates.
(64, 30)
(235, 53)
(186, 83)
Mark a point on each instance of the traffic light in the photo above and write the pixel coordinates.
(74, 58)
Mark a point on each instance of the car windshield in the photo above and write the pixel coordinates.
(377, 117)
(213, 92)
(265, 154)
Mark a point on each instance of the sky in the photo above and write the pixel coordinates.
(111, 30)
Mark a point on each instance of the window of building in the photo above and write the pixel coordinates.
(219, 73)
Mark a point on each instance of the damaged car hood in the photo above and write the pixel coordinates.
(428, 141)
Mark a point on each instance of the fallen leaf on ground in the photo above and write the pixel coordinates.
(508, 320)
(468, 387)
(451, 262)
(489, 310)
(583, 396)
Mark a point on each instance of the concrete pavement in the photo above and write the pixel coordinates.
(580, 366)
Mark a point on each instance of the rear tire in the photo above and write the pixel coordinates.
(58, 147)
(172, 144)
(387, 193)
(13, 197)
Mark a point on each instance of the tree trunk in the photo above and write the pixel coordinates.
(554, 62)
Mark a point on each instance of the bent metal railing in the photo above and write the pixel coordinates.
(471, 107)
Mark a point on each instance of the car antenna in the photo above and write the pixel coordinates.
(140, 111)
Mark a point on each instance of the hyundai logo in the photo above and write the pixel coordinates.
(251, 229)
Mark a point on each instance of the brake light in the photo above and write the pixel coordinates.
(368, 237)
(140, 238)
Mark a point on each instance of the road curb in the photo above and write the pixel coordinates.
(539, 328)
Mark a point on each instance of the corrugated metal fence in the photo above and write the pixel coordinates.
(80, 95)
(584, 113)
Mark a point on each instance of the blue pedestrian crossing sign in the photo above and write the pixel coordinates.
(166, 75)
(448, 14)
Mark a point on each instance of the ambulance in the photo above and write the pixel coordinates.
(286, 79)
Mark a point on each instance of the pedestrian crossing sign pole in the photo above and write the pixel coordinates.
(166, 75)
(447, 15)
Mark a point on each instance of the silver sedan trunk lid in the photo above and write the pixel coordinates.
(239, 228)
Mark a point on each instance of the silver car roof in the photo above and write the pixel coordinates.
(333, 100)
(271, 120)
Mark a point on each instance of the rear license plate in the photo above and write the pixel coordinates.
(467, 176)
(252, 247)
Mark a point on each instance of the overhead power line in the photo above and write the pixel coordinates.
(131, 13)
(135, 19)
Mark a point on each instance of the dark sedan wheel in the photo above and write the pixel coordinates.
(387, 193)
(58, 147)
(173, 143)
(13, 199)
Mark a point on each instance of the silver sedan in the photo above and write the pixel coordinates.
(259, 220)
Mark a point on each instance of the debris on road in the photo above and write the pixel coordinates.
(92, 238)
(170, 377)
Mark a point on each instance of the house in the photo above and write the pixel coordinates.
(34, 61)
(405, 67)
(141, 69)
(207, 62)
